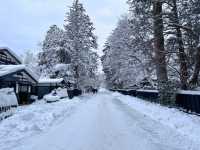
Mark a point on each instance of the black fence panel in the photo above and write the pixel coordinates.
(147, 95)
(188, 102)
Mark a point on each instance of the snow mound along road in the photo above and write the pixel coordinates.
(186, 124)
(33, 119)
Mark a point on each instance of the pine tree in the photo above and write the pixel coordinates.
(51, 47)
(82, 41)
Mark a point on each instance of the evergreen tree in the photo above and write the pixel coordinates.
(51, 48)
(79, 30)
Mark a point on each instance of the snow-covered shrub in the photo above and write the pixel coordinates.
(8, 100)
(8, 97)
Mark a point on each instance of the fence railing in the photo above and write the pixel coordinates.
(188, 101)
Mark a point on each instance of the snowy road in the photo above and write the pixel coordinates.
(104, 122)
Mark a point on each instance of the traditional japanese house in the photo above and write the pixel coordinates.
(8, 57)
(15, 75)
(22, 79)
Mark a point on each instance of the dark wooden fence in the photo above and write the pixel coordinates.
(185, 100)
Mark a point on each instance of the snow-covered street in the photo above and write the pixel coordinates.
(91, 122)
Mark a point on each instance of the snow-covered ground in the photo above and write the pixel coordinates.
(105, 121)
(29, 121)
(186, 124)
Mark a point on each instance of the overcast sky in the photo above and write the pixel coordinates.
(23, 23)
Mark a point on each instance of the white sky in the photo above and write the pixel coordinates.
(23, 23)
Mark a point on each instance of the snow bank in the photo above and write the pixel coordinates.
(8, 97)
(56, 95)
(62, 92)
(33, 119)
(51, 98)
(186, 124)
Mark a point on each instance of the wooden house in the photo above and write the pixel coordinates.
(22, 79)
(8, 57)
(15, 75)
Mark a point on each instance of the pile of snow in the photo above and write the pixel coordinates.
(186, 124)
(8, 97)
(51, 98)
(61, 92)
(33, 119)
(56, 95)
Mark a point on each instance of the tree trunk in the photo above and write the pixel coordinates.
(160, 58)
(181, 54)
(194, 80)
(160, 54)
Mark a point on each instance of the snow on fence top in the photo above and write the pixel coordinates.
(189, 92)
(9, 69)
(46, 80)
(8, 97)
(156, 91)
(179, 92)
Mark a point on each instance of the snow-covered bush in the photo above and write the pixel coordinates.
(7, 101)
(8, 97)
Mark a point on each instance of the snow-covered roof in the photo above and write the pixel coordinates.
(47, 80)
(150, 91)
(11, 53)
(8, 97)
(10, 69)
